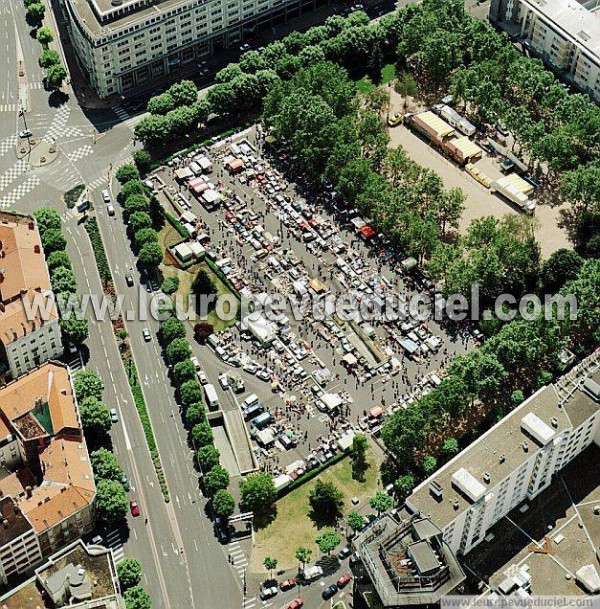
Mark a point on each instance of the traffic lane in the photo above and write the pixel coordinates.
(126, 438)
(171, 561)
(183, 484)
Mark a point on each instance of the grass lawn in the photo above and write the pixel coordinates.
(293, 528)
(364, 84)
(167, 237)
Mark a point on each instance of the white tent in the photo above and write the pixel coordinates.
(331, 401)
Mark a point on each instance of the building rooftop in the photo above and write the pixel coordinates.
(14, 524)
(101, 17)
(575, 20)
(407, 562)
(23, 273)
(41, 404)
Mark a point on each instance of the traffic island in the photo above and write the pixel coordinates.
(42, 154)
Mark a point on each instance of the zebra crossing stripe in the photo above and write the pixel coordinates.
(8, 107)
(121, 112)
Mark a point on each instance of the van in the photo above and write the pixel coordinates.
(261, 421)
(83, 206)
(250, 401)
(106, 196)
(111, 209)
(252, 412)
(212, 399)
(311, 573)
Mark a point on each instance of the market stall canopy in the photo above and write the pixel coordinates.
(184, 173)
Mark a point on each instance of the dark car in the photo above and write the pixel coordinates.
(129, 279)
(329, 592)
(344, 553)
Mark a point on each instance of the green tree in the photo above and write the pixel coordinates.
(190, 392)
(75, 330)
(146, 235)
(135, 203)
(355, 521)
(95, 418)
(328, 541)
(326, 502)
(404, 484)
(270, 564)
(87, 384)
(358, 456)
(151, 254)
(137, 598)
(184, 93)
(516, 397)
(207, 457)
(63, 280)
(133, 187)
(48, 58)
(111, 502)
(126, 173)
(105, 465)
(170, 285)
(429, 464)
(203, 284)
(258, 492)
(139, 220)
(129, 572)
(55, 75)
(223, 504)
(161, 104)
(450, 446)
(563, 265)
(406, 86)
(403, 432)
(44, 36)
(217, 479)
(46, 218)
(170, 329)
(202, 434)
(35, 13)
(58, 259)
(178, 350)
(184, 371)
(143, 161)
(303, 555)
(381, 502)
(195, 413)
(53, 241)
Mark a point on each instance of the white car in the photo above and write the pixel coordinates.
(224, 380)
(250, 368)
(106, 196)
(195, 361)
(268, 592)
(114, 417)
(202, 378)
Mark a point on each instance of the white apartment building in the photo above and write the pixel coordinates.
(514, 461)
(25, 341)
(565, 34)
(125, 44)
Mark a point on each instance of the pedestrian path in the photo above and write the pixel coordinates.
(121, 112)
(116, 545)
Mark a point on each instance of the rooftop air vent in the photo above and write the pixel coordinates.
(502, 458)
(486, 478)
(455, 504)
(526, 446)
(554, 422)
(116, 2)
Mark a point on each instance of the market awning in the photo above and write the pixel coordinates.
(367, 232)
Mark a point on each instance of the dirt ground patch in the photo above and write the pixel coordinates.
(293, 528)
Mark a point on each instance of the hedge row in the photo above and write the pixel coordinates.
(91, 226)
(306, 477)
(140, 404)
(176, 224)
(221, 275)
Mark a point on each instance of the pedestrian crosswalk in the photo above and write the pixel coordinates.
(8, 107)
(36, 85)
(120, 112)
(113, 539)
(8, 200)
(12, 173)
(8, 143)
(80, 153)
(99, 181)
(58, 124)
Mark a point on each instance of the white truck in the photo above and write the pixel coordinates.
(516, 190)
(212, 399)
(451, 116)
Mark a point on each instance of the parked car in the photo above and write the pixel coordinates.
(134, 508)
(395, 119)
(125, 482)
(297, 603)
(329, 592)
(224, 380)
(114, 417)
(26, 133)
(129, 279)
(202, 378)
(195, 361)
(146, 335)
(288, 584)
(267, 592)
(344, 580)
(344, 553)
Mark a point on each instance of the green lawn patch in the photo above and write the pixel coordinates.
(292, 527)
(388, 73)
(364, 84)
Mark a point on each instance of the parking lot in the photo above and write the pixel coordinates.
(308, 385)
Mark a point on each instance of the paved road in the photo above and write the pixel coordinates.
(202, 558)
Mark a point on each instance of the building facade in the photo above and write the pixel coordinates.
(514, 461)
(125, 44)
(27, 338)
(565, 34)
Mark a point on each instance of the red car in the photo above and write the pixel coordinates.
(134, 508)
(344, 580)
(297, 603)
(288, 584)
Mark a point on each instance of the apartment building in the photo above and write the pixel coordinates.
(47, 487)
(565, 34)
(125, 44)
(514, 461)
(25, 340)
